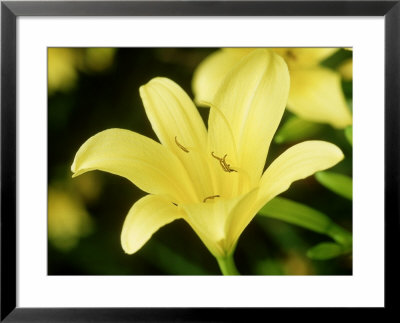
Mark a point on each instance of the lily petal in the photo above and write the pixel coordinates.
(179, 126)
(298, 162)
(252, 97)
(211, 71)
(304, 57)
(208, 221)
(240, 217)
(173, 114)
(145, 217)
(146, 163)
(316, 95)
(213, 220)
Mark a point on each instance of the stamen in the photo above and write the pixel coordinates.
(223, 163)
(174, 204)
(210, 198)
(180, 146)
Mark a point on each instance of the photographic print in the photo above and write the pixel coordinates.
(199, 161)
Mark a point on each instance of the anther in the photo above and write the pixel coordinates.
(180, 146)
(223, 163)
(210, 198)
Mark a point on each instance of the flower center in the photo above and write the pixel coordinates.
(207, 185)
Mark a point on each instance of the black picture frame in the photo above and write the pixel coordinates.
(11, 10)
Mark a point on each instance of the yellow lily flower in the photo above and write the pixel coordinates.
(213, 179)
(315, 91)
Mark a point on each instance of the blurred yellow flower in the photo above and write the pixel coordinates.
(346, 69)
(68, 220)
(315, 91)
(213, 179)
(64, 64)
(99, 59)
(61, 69)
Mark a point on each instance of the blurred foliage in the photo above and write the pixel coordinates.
(296, 129)
(349, 134)
(93, 89)
(338, 183)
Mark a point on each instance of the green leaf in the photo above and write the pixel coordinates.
(337, 183)
(340, 235)
(296, 213)
(302, 215)
(296, 129)
(326, 250)
(348, 132)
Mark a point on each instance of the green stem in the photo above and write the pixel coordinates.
(227, 265)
